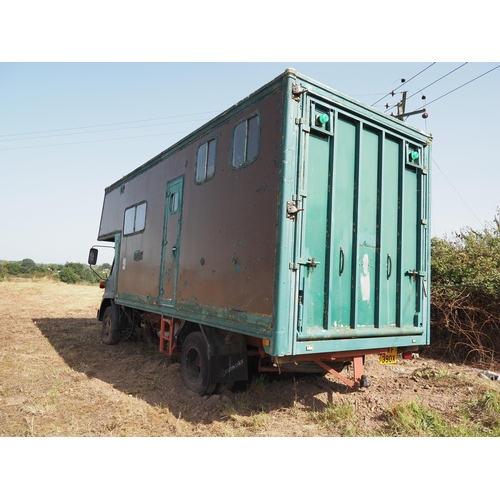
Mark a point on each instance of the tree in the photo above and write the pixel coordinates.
(13, 268)
(68, 275)
(28, 265)
(73, 272)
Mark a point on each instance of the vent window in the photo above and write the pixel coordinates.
(246, 142)
(205, 161)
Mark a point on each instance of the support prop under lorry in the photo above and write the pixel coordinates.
(292, 230)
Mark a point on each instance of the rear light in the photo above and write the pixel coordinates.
(407, 355)
(102, 284)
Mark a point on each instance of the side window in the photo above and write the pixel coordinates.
(205, 161)
(174, 202)
(135, 219)
(246, 142)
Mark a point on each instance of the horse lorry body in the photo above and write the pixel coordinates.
(292, 229)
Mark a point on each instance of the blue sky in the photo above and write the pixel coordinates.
(68, 130)
(76, 114)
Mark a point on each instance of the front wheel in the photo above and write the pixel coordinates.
(111, 334)
(195, 364)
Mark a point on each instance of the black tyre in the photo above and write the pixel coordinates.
(111, 334)
(195, 365)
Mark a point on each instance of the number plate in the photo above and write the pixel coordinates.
(390, 357)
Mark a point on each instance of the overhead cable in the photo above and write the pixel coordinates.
(403, 82)
(427, 86)
(470, 81)
(98, 131)
(109, 124)
(466, 204)
(96, 140)
(435, 81)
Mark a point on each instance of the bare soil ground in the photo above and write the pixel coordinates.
(58, 379)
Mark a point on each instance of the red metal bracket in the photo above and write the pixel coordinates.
(170, 337)
(359, 368)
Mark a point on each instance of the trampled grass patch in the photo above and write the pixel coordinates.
(57, 378)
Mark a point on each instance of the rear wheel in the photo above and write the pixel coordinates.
(195, 365)
(111, 334)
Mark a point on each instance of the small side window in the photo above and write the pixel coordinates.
(128, 225)
(140, 217)
(246, 142)
(135, 219)
(205, 161)
(174, 202)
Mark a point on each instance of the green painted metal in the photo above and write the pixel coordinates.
(313, 261)
(364, 195)
(171, 242)
(349, 266)
(342, 219)
(388, 241)
(366, 230)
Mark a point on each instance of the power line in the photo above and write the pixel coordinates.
(427, 86)
(435, 81)
(96, 140)
(456, 191)
(456, 88)
(97, 131)
(109, 124)
(405, 81)
(470, 81)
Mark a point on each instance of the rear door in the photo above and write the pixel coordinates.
(358, 251)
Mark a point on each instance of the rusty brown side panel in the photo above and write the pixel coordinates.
(228, 232)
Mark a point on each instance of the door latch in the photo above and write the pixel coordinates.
(310, 262)
(415, 274)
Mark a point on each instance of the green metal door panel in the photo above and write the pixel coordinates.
(361, 232)
(344, 168)
(315, 231)
(171, 241)
(389, 258)
(410, 239)
(367, 229)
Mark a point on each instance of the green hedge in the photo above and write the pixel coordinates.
(465, 293)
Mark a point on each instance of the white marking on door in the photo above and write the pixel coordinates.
(365, 278)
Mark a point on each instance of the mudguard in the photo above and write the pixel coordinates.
(228, 355)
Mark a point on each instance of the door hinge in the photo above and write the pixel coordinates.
(297, 90)
(292, 210)
(299, 121)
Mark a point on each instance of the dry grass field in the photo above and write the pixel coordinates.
(58, 379)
